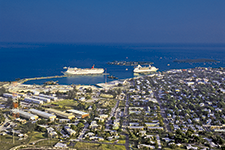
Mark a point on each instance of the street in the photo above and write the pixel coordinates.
(80, 137)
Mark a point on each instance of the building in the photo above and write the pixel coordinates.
(103, 116)
(93, 125)
(32, 100)
(46, 100)
(60, 145)
(24, 114)
(219, 130)
(141, 146)
(51, 132)
(69, 130)
(78, 113)
(10, 95)
(43, 114)
(155, 128)
(133, 124)
(82, 99)
(49, 97)
(61, 114)
(136, 127)
(152, 124)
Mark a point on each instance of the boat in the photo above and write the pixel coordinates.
(112, 77)
(140, 69)
(86, 71)
(51, 83)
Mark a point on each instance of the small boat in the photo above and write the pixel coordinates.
(112, 77)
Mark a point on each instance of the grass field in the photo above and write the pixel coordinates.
(37, 136)
(119, 142)
(47, 143)
(172, 149)
(93, 146)
(6, 142)
(68, 103)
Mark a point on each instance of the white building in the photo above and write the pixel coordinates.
(46, 100)
(49, 97)
(24, 114)
(69, 130)
(43, 114)
(31, 100)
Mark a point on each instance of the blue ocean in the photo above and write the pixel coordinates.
(26, 60)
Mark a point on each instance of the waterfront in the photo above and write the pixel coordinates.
(38, 60)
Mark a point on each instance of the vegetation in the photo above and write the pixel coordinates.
(2, 90)
(47, 143)
(95, 146)
(2, 118)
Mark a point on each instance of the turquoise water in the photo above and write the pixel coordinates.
(24, 60)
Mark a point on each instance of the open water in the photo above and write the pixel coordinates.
(25, 60)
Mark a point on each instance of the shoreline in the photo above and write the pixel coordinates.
(203, 60)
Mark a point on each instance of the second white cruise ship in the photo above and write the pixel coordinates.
(86, 71)
(140, 69)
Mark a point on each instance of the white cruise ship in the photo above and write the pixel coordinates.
(140, 69)
(86, 71)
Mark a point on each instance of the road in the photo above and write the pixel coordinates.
(158, 141)
(127, 141)
(112, 114)
(2, 128)
(80, 137)
(163, 114)
(101, 142)
(125, 122)
(16, 147)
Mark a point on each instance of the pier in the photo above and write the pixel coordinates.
(39, 78)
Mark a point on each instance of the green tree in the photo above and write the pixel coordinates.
(2, 118)
(73, 127)
(72, 93)
(42, 121)
(88, 97)
(80, 125)
(2, 90)
(10, 102)
(113, 118)
(107, 135)
(28, 127)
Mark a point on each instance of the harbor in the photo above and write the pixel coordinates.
(57, 76)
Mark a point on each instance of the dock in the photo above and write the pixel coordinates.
(39, 78)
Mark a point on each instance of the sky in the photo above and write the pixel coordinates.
(113, 21)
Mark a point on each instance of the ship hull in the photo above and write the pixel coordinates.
(84, 71)
(140, 69)
(145, 71)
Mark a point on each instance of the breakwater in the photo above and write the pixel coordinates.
(129, 63)
(196, 61)
(40, 78)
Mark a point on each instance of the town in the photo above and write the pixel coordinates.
(175, 109)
